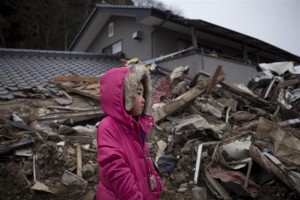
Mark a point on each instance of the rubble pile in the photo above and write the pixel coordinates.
(220, 141)
(211, 140)
(280, 83)
(48, 148)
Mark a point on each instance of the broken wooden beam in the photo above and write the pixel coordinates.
(89, 79)
(181, 101)
(69, 115)
(66, 108)
(91, 94)
(67, 95)
(79, 161)
(273, 166)
(213, 79)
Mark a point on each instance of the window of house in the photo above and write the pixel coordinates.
(110, 29)
(117, 47)
(113, 49)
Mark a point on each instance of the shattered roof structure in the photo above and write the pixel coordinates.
(25, 69)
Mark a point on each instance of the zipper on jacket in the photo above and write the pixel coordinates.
(151, 177)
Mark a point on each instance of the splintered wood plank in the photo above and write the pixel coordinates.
(179, 102)
(88, 86)
(92, 86)
(65, 108)
(73, 114)
(84, 85)
(89, 79)
(212, 79)
(94, 94)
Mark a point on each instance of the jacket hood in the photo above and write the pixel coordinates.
(117, 89)
(138, 73)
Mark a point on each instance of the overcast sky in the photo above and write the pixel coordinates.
(276, 22)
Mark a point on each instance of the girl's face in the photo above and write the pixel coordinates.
(139, 101)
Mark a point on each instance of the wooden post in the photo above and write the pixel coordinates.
(79, 161)
(194, 38)
(212, 79)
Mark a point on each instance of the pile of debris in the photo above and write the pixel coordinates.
(48, 146)
(215, 140)
(212, 140)
(280, 82)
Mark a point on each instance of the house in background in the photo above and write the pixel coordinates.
(149, 33)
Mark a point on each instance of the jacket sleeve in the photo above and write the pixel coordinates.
(114, 171)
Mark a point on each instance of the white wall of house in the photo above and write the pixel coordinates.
(124, 27)
(235, 72)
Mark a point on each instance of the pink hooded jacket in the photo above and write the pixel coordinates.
(122, 155)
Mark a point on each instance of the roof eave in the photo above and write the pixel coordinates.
(145, 11)
(179, 20)
(83, 28)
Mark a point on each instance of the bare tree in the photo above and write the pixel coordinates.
(119, 2)
(158, 4)
(46, 24)
(51, 24)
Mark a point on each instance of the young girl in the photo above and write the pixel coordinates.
(125, 168)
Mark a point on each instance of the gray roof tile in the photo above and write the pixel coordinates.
(21, 69)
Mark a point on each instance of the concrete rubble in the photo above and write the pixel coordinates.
(212, 140)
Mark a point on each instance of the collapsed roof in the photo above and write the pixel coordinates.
(23, 70)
